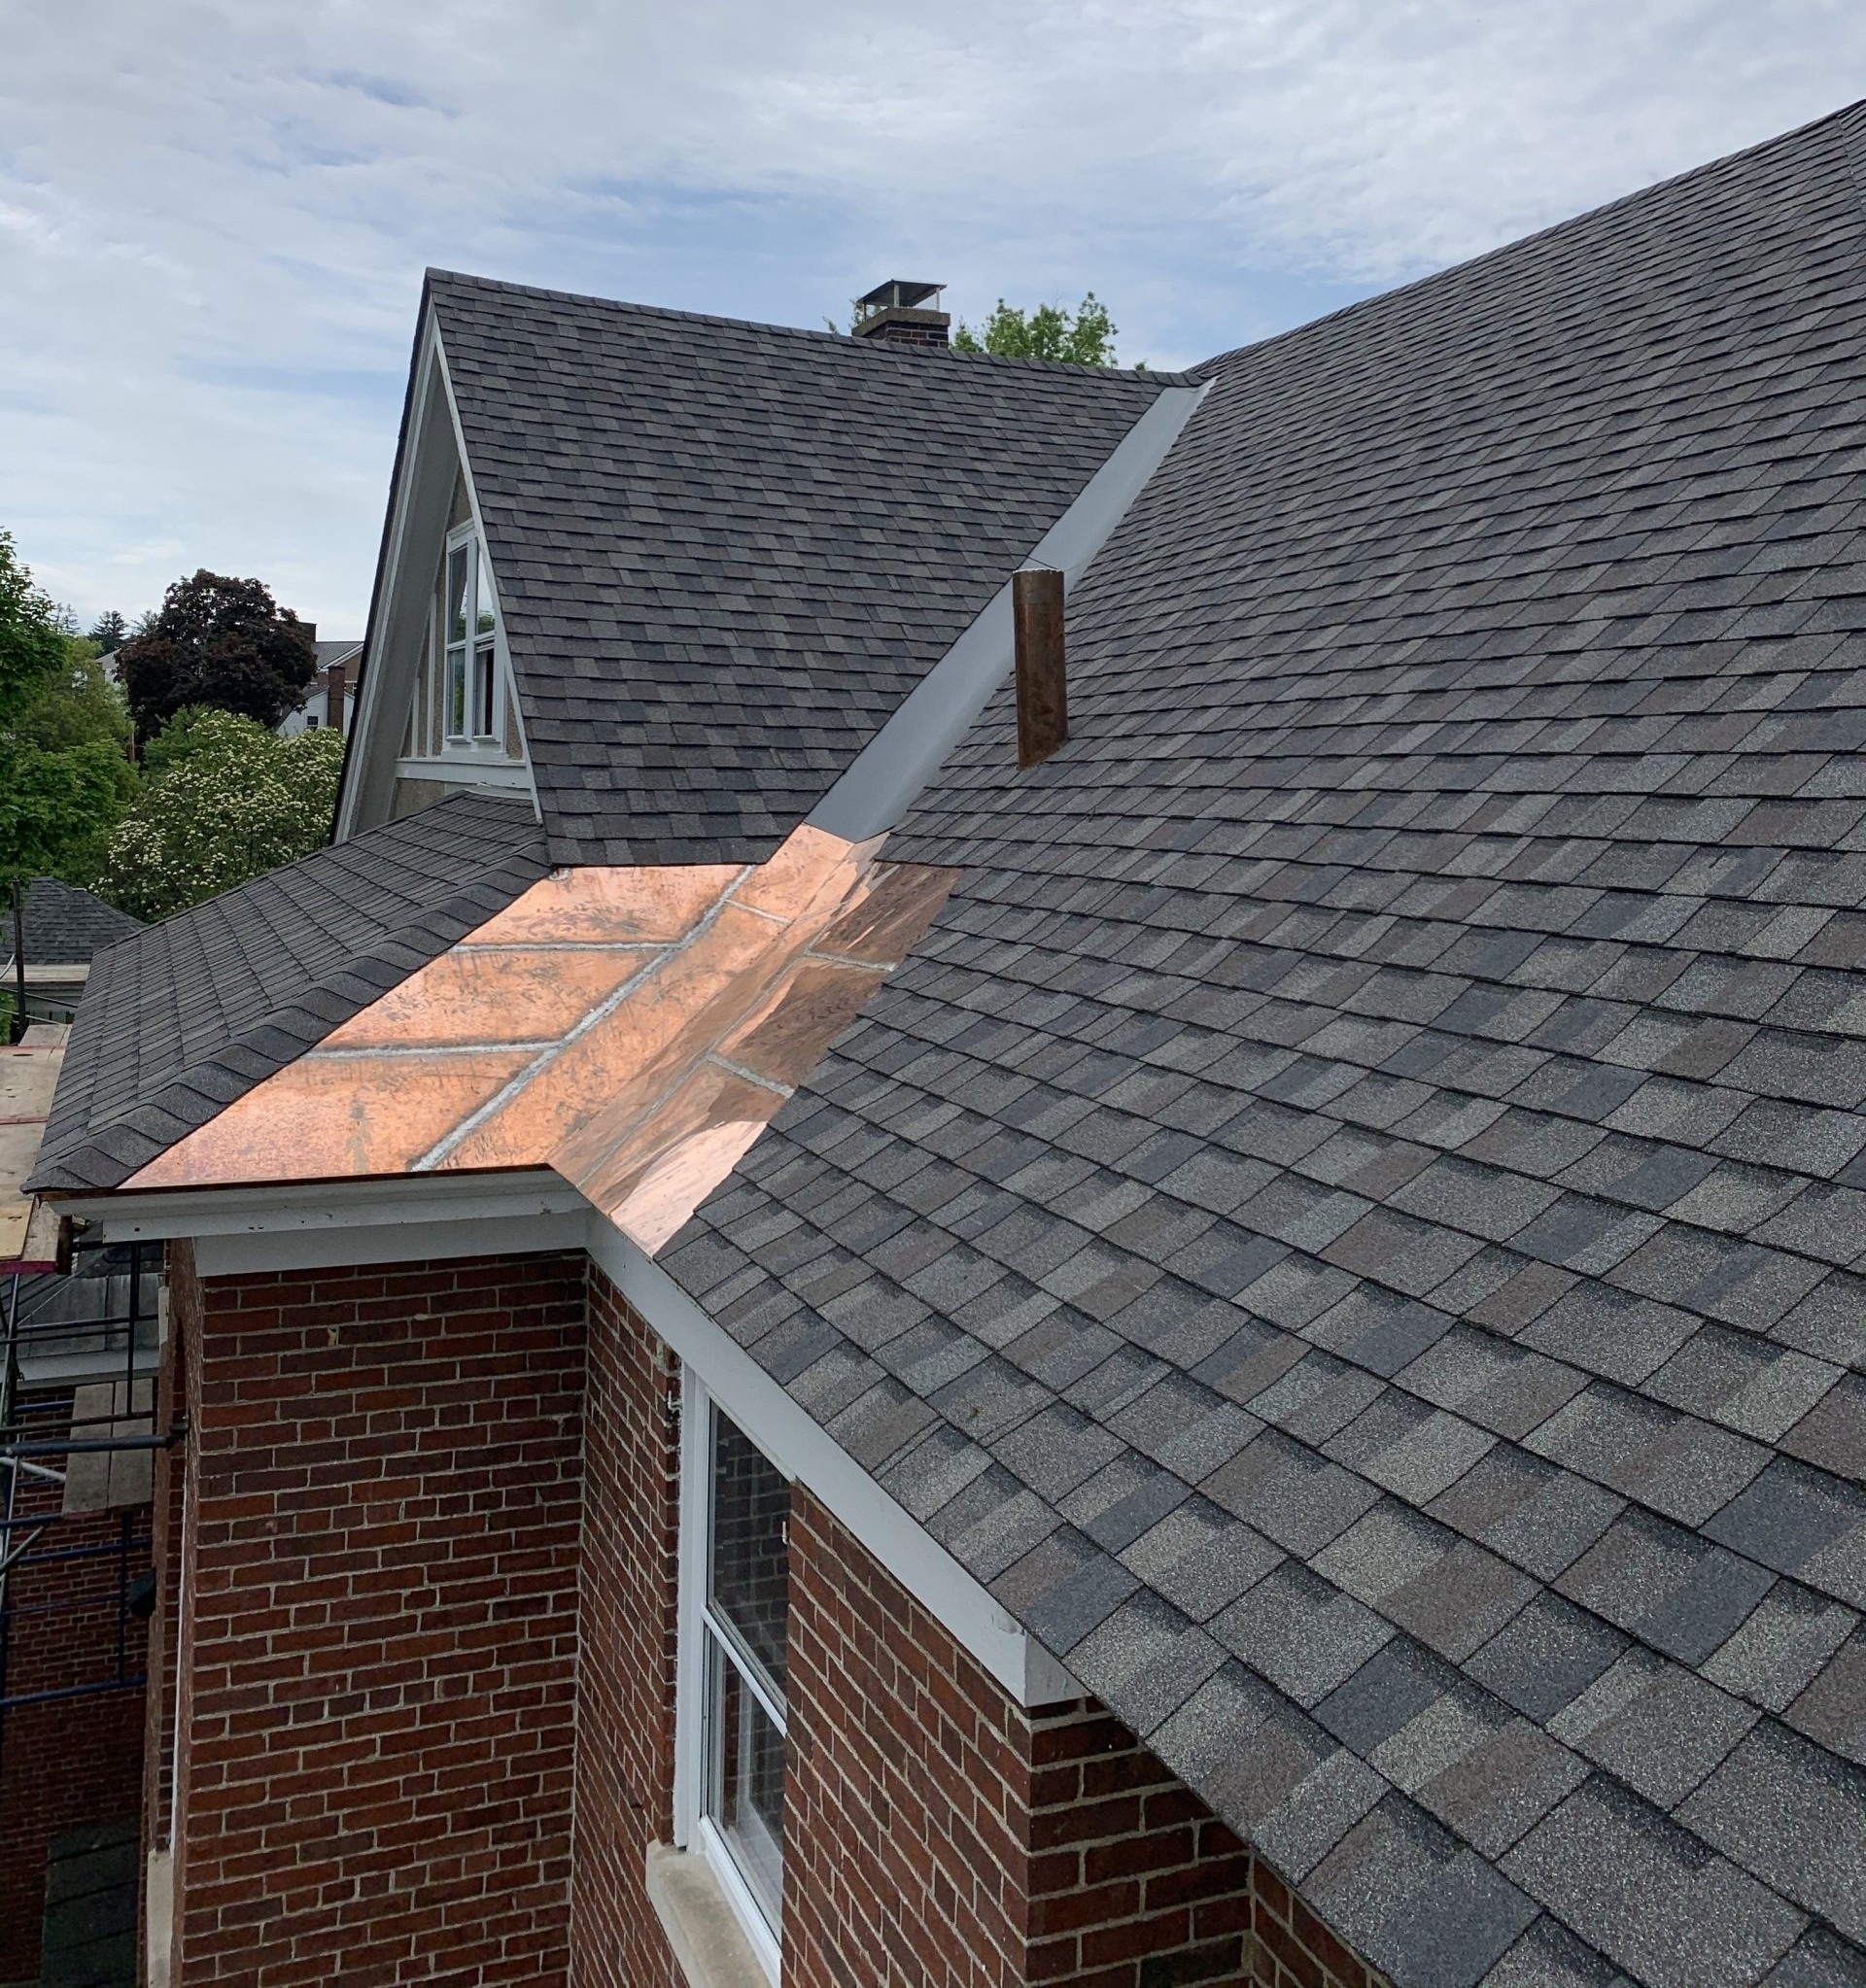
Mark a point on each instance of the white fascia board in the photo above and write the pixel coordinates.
(797, 1444)
(368, 787)
(238, 1231)
(889, 772)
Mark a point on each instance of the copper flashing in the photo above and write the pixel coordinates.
(634, 1028)
(1043, 696)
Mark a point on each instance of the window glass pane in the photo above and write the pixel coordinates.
(456, 692)
(460, 592)
(484, 673)
(746, 1781)
(750, 1555)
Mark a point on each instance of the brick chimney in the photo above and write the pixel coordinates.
(334, 696)
(894, 314)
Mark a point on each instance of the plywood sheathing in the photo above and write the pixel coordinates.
(28, 1076)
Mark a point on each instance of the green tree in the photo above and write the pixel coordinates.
(64, 777)
(110, 631)
(222, 642)
(65, 773)
(224, 798)
(31, 643)
(1082, 337)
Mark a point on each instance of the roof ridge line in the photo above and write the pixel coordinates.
(1853, 110)
(1064, 367)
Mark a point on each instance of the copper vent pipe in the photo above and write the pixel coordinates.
(1043, 695)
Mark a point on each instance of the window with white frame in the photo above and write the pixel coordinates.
(469, 641)
(738, 1577)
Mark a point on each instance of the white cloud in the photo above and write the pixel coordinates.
(213, 217)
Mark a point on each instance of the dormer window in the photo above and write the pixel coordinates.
(469, 634)
(463, 726)
(463, 717)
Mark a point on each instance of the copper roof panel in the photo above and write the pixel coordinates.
(635, 1029)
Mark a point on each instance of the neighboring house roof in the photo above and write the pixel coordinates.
(195, 1011)
(725, 552)
(316, 693)
(65, 926)
(1353, 1222)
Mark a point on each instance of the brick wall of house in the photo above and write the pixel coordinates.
(937, 1832)
(376, 1691)
(66, 1761)
(1294, 1948)
(626, 1680)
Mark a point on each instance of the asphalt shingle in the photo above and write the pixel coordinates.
(185, 1016)
(1445, 920)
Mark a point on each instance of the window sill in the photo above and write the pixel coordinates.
(487, 768)
(701, 1928)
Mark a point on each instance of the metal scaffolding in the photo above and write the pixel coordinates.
(78, 1437)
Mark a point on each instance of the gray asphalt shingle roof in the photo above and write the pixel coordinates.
(64, 926)
(725, 552)
(1351, 1222)
(182, 1018)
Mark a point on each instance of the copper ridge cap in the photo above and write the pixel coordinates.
(634, 1029)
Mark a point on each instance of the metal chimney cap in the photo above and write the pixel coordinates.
(898, 294)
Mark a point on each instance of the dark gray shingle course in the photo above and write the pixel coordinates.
(725, 552)
(188, 1015)
(65, 926)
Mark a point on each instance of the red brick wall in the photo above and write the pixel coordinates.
(1134, 1883)
(936, 1832)
(626, 1679)
(377, 1665)
(72, 1760)
(1294, 1948)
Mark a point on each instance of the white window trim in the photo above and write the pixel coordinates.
(475, 769)
(693, 1830)
(471, 742)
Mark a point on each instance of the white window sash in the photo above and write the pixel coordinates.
(472, 682)
(698, 1627)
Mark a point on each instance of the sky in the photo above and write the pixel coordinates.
(214, 218)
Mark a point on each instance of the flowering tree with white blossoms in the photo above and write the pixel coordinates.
(224, 800)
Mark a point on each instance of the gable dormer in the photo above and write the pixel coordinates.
(438, 712)
(463, 716)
